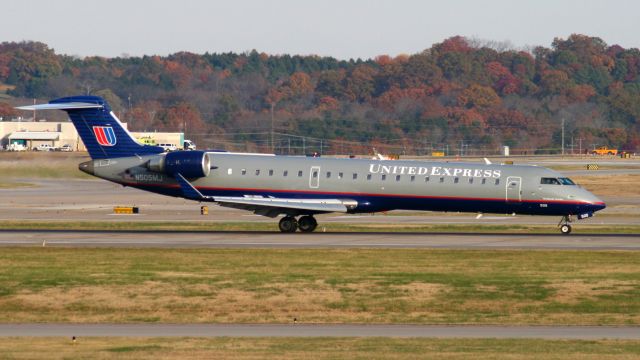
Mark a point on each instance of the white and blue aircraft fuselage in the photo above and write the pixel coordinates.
(298, 187)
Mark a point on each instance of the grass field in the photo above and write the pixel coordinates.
(36, 165)
(319, 286)
(326, 227)
(313, 348)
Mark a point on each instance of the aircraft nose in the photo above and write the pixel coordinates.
(593, 203)
(597, 206)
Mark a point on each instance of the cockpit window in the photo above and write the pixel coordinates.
(556, 181)
(566, 181)
(549, 181)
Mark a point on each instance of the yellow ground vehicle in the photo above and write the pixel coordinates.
(147, 140)
(603, 150)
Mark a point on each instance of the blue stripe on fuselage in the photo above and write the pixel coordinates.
(375, 203)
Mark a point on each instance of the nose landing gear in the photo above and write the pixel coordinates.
(289, 224)
(564, 224)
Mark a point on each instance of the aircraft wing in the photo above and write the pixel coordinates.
(272, 207)
(269, 206)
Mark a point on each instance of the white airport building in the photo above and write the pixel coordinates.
(32, 134)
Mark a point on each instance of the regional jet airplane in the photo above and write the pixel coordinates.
(297, 188)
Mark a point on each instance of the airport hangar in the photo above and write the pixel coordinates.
(56, 133)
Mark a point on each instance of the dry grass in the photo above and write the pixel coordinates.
(319, 286)
(13, 185)
(42, 165)
(612, 185)
(314, 348)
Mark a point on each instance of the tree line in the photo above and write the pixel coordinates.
(459, 91)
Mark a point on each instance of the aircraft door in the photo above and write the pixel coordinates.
(514, 189)
(314, 177)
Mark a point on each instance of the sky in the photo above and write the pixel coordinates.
(340, 28)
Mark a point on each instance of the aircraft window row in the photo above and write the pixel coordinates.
(315, 174)
(556, 181)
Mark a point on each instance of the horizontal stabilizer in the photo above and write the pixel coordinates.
(61, 106)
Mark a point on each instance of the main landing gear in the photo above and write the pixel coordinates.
(289, 224)
(564, 224)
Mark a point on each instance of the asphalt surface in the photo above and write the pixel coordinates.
(240, 239)
(321, 330)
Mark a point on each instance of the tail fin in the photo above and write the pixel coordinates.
(99, 128)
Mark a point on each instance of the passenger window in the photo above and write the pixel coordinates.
(229, 171)
(299, 173)
(355, 176)
(285, 173)
(426, 179)
(315, 174)
(328, 174)
(484, 181)
(384, 177)
(413, 178)
(497, 181)
(470, 180)
(257, 172)
(270, 172)
(340, 175)
(397, 177)
(368, 176)
(456, 180)
(442, 179)
(244, 171)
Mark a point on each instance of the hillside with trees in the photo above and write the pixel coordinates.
(460, 94)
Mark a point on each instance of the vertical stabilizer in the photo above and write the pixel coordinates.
(102, 133)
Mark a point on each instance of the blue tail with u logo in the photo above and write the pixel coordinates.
(99, 128)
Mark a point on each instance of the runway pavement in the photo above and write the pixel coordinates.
(322, 330)
(316, 330)
(240, 239)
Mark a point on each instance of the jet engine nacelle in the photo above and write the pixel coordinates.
(190, 164)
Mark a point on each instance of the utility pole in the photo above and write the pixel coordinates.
(562, 136)
(580, 145)
(272, 145)
(130, 118)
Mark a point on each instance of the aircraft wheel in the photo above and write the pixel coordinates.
(288, 224)
(565, 229)
(307, 223)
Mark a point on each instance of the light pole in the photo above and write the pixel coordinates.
(273, 105)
